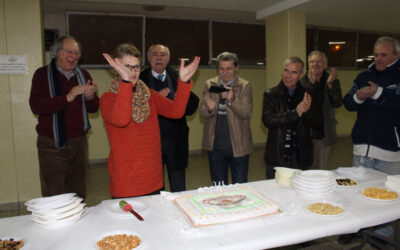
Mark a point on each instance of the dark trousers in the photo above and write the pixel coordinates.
(294, 163)
(221, 159)
(176, 177)
(63, 171)
(270, 172)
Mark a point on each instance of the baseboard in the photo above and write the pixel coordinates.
(11, 206)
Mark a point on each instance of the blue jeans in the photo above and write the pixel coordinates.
(387, 167)
(221, 159)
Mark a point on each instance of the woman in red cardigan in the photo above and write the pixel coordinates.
(130, 112)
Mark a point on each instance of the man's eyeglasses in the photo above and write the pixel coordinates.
(136, 68)
(72, 52)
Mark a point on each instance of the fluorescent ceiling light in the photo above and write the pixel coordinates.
(338, 42)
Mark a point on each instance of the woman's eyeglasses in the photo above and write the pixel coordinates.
(136, 68)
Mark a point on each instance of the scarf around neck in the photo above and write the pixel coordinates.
(59, 129)
(140, 100)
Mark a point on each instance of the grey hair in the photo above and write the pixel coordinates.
(58, 45)
(152, 46)
(294, 59)
(388, 39)
(317, 52)
(228, 56)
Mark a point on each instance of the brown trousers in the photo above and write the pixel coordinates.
(320, 155)
(63, 171)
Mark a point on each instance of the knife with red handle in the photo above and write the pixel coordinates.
(126, 207)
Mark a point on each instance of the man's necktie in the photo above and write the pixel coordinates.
(160, 77)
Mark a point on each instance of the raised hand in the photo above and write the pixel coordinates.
(121, 70)
(185, 73)
(332, 77)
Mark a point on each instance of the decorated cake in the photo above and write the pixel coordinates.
(226, 205)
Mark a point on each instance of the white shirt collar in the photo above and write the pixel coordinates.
(155, 74)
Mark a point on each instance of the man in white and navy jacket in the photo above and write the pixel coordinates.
(375, 96)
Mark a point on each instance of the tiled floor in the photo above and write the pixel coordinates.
(198, 175)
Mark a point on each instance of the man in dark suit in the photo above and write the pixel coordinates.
(174, 132)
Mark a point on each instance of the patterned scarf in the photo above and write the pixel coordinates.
(59, 129)
(140, 100)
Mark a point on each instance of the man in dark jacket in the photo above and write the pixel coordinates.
(325, 88)
(375, 96)
(289, 115)
(174, 132)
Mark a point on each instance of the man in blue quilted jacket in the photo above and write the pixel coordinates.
(375, 96)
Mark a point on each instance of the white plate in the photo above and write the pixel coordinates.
(45, 200)
(379, 200)
(307, 194)
(26, 243)
(314, 187)
(53, 204)
(314, 190)
(316, 183)
(325, 215)
(136, 205)
(76, 201)
(60, 216)
(66, 221)
(316, 175)
(141, 246)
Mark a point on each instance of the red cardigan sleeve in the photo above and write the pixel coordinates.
(116, 109)
(173, 109)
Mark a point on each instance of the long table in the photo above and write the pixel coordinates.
(164, 226)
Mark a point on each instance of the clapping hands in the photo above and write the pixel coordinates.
(367, 91)
(88, 90)
(332, 77)
(304, 105)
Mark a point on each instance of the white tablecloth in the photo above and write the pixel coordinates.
(164, 226)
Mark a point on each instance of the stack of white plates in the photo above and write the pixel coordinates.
(56, 210)
(314, 183)
(283, 175)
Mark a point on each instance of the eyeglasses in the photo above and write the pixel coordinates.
(72, 52)
(136, 68)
